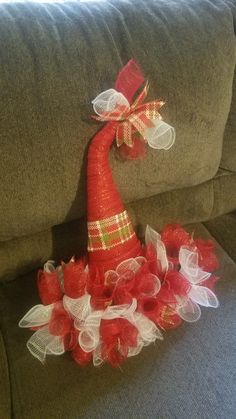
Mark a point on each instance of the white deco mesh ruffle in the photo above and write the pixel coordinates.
(37, 316)
(187, 308)
(87, 320)
(42, 343)
(108, 101)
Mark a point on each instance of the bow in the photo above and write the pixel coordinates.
(113, 106)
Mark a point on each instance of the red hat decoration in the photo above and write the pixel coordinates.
(107, 306)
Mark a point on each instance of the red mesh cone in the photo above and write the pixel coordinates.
(111, 235)
(111, 238)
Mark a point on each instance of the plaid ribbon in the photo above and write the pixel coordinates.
(136, 117)
(109, 232)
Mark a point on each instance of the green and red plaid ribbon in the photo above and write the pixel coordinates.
(136, 117)
(109, 232)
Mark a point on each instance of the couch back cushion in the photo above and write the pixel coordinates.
(228, 160)
(55, 58)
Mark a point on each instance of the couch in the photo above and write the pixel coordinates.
(55, 58)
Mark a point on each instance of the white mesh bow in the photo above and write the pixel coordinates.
(161, 136)
(188, 307)
(79, 308)
(97, 356)
(89, 336)
(151, 236)
(148, 331)
(128, 264)
(43, 343)
(190, 269)
(188, 310)
(49, 266)
(38, 315)
(108, 101)
(122, 310)
(133, 265)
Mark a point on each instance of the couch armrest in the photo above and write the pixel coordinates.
(5, 393)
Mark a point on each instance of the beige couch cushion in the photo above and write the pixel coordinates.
(56, 57)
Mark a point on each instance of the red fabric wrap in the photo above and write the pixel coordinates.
(103, 198)
(82, 358)
(117, 336)
(75, 278)
(49, 287)
(60, 323)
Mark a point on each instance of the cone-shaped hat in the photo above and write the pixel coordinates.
(109, 309)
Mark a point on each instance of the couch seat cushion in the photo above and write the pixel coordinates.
(191, 374)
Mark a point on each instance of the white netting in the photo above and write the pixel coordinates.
(148, 331)
(49, 266)
(161, 136)
(141, 260)
(136, 350)
(42, 343)
(151, 236)
(97, 356)
(203, 296)
(89, 333)
(38, 315)
(153, 285)
(123, 310)
(127, 265)
(89, 338)
(79, 308)
(188, 310)
(108, 101)
(188, 260)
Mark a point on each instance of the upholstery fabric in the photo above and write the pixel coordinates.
(224, 193)
(55, 58)
(228, 160)
(189, 375)
(187, 205)
(223, 229)
(5, 394)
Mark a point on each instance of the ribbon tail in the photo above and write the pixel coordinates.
(129, 80)
(141, 96)
(124, 134)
